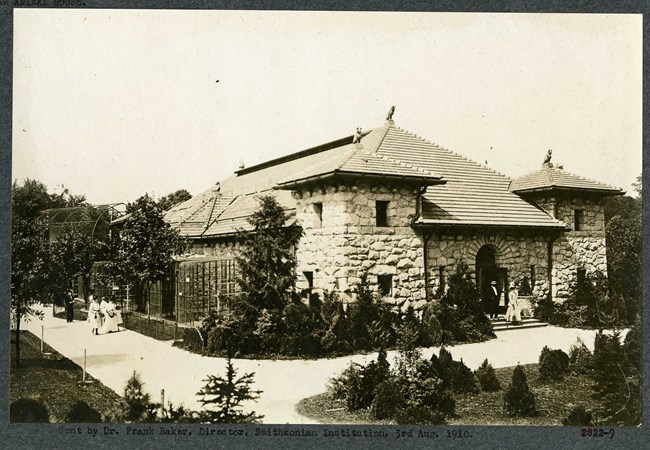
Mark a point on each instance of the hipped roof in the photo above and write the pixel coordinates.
(550, 178)
(460, 192)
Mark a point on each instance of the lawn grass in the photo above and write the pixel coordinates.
(554, 400)
(52, 380)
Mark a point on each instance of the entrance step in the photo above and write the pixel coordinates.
(500, 324)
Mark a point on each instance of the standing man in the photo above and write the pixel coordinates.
(69, 305)
(493, 293)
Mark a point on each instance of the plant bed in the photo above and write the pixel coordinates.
(53, 381)
(554, 402)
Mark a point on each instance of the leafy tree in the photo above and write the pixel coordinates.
(142, 252)
(624, 232)
(176, 197)
(224, 397)
(29, 267)
(70, 256)
(617, 384)
(267, 260)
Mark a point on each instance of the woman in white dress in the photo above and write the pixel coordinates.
(514, 308)
(94, 316)
(110, 318)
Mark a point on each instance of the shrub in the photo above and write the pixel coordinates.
(358, 384)
(553, 364)
(430, 392)
(578, 417)
(419, 415)
(431, 328)
(462, 379)
(455, 375)
(233, 335)
(137, 403)
(487, 377)
(81, 412)
(543, 308)
(581, 360)
(268, 331)
(388, 400)
(191, 339)
(178, 414)
(27, 410)
(633, 345)
(461, 313)
(518, 398)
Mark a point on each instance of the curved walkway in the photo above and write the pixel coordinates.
(112, 359)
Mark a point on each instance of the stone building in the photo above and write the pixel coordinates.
(405, 211)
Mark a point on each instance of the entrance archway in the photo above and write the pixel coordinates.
(486, 271)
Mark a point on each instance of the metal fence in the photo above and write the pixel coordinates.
(191, 290)
(204, 286)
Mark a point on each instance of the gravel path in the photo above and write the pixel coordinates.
(112, 358)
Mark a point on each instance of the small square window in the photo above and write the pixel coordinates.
(318, 210)
(579, 220)
(385, 285)
(382, 213)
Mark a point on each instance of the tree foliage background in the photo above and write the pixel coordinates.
(174, 198)
(141, 252)
(33, 261)
(624, 228)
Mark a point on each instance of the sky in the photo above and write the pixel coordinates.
(117, 103)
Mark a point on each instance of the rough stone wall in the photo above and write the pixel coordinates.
(515, 253)
(575, 250)
(349, 242)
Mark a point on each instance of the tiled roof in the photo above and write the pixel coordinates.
(472, 195)
(549, 178)
(351, 159)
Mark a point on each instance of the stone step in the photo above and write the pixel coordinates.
(502, 325)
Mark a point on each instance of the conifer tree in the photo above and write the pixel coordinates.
(224, 397)
(267, 261)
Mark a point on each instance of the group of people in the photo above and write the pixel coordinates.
(497, 302)
(104, 316)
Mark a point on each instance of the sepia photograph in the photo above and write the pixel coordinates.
(379, 223)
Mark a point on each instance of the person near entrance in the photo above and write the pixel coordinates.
(514, 307)
(493, 300)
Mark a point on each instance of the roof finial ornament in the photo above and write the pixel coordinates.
(241, 164)
(357, 136)
(389, 116)
(547, 158)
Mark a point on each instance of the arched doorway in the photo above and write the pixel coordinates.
(488, 271)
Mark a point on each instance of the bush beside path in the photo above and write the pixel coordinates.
(112, 358)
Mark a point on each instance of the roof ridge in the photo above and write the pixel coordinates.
(385, 129)
(454, 153)
(585, 178)
(210, 222)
